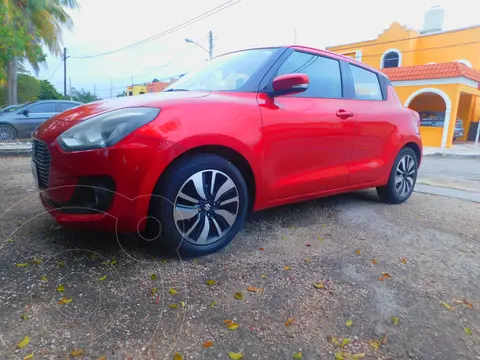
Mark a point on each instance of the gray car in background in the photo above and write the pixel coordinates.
(20, 122)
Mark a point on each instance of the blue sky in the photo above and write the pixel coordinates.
(103, 25)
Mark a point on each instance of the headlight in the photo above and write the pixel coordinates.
(106, 129)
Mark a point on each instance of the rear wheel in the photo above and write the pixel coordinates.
(202, 205)
(7, 132)
(402, 178)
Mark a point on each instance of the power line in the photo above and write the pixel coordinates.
(56, 69)
(171, 30)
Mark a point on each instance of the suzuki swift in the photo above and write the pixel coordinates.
(251, 130)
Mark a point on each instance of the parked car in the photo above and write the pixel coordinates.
(254, 129)
(20, 122)
(459, 130)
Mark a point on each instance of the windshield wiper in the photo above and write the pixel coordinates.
(176, 89)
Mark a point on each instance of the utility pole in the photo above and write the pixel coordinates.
(132, 80)
(65, 72)
(210, 44)
(70, 87)
(111, 88)
(94, 91)
(12, 82)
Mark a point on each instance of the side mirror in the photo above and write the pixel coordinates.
(289, 84)
(24, 112)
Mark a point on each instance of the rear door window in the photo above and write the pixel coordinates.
(366, 84)
(47, 107)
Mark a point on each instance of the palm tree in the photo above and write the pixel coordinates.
(46, 20)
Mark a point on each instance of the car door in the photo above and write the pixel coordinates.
(376, 127)
(36, 114)
(308, 137)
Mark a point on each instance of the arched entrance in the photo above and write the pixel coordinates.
(434, 107)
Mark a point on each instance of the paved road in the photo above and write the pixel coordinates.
(331, 241)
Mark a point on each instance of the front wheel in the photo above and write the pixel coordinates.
(7, 132)
(402, 178)
(202, 205)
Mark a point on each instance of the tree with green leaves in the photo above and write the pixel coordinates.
(83, 96)
(122, 94)
(30, 25)
(48, 91)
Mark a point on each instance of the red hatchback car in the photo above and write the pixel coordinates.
(253, 129)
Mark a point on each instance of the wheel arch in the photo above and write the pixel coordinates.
(232, 155)
(2, 123)
(416, 149)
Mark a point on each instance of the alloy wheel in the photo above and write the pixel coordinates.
(206, 207)
(6, 133)
(405, 176)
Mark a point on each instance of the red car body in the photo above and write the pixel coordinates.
(289, 149)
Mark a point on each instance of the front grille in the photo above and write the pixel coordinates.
(41, 158)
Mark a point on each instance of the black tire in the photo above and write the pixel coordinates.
(177, 178)
(392, 193)
(6, 130)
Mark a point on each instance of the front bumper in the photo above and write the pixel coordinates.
(104, 189)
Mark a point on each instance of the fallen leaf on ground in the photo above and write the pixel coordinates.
(469, 304)
(385, 339)
(404, 260)
(164, 261)
(319, 285)
(44, 278)
(60, 288)
(211, 282)
(308, 245)
(173, 306)
(235, 356)
(213, 304)
(207, 344)
(103, 357)
(308, 260)
(182, 303)
(62, 263)
(386, 276)
(254, 289)
(287, 267)
(358, 252)
(64, 301)
(36, 261)
(77, 352)
(9, 240)
(177, 356)
(467, 331)
(261, 249)
(381, 279)
(22, 265)
(344, 342)
(238, 296)
(334, 341)
(154, 291)
(374, 344)
(92, 256)
(172, 291)
(374, 261)
(321, 238)
(289, 322)
(23, 343)
(113, 261)
(232, 325)
(449, 307)
(24, 317)
(28, 357)
(349, 323)
(264, 276)
(395, 320)
(102, 278)
(298, 355)
(153, 277)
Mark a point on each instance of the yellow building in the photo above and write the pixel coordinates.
(136, 90)
(434, 72)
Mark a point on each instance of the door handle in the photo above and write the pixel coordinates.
(344, 114)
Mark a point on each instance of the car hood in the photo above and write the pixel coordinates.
(50, 129)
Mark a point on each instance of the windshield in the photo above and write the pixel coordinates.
(10, 108)
(227, 72)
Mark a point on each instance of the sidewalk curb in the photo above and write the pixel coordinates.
(15, 152)
(465, 156)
